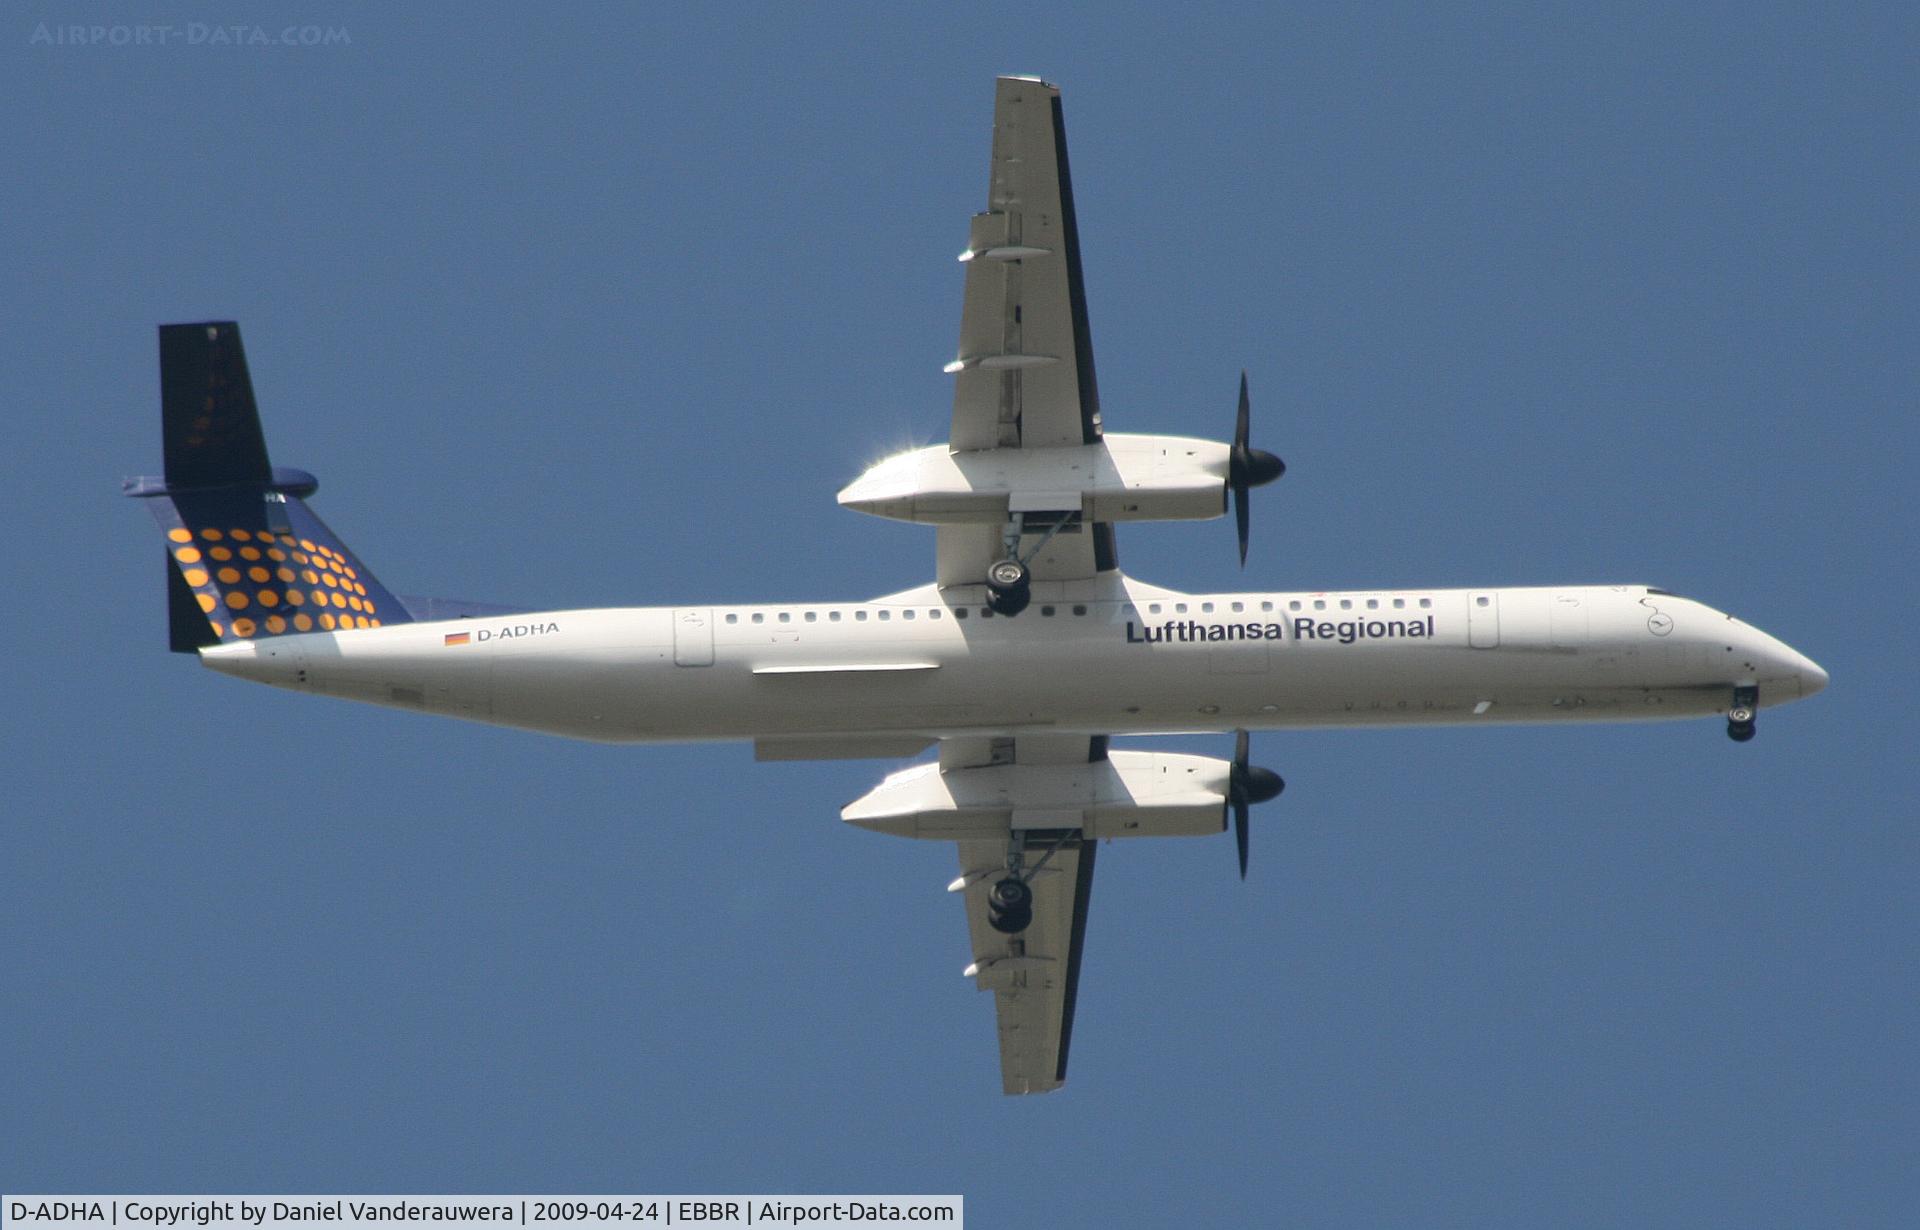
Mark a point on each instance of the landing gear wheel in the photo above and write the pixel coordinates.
(1010, 906)
(1009, 602)
(1009, 587)
(1007, 574)
(1746, 701)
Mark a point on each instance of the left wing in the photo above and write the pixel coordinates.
(1025, 367)
(1024, 376)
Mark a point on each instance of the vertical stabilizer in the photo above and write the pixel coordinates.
(246, 557)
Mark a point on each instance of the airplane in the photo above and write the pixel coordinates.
(1025, 655)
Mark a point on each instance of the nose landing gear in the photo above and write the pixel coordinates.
(1746, 703)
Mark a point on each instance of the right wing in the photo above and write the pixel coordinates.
(1035, 975)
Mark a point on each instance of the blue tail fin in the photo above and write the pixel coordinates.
(246, 557)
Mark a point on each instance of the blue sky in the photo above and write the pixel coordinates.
(602, 307)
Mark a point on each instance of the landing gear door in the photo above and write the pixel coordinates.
(693, 636)
(1483, 620)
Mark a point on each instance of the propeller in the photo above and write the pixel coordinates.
(1248, 467)
(1246, 785)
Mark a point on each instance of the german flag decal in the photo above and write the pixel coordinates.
(458, 638)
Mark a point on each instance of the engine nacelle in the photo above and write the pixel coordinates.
(1119, 478)
(1129, 794)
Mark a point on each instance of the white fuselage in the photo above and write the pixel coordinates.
(1119, 657)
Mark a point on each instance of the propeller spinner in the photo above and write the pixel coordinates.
(1247, 468)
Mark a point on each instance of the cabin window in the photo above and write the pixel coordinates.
(833, 617)
(733, 619)
(1153, 608)
(1238, 607)
(1319, 604)
(986, 612)
(859, 617)
(759, 618)
(811, 617)
(1399, 604)
(1346, 604)
(786, 617)
(1294, 605)
(1046, 610)
(1373, 604)
(959, 612)
(933, 614)
(907, 614)
(1179, 608)
(1266, 606)
(1480, 601)
(1079, 610)
(1425, 603)
(885, 615)
(1206, 608)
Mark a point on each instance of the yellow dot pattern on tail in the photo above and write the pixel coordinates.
(254, 596)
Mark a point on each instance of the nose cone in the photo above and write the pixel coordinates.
(1812, 677)
(1788, 665)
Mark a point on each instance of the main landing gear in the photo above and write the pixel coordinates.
(1009, 587)
(1010, 906)
(1746, 702)
(1009, 583)
(1010, 900)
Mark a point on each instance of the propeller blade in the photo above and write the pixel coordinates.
(1247, 467)
(1242, 424)
(1240, 829)
(1236, 784)
(1246, 785)
(1242, 517)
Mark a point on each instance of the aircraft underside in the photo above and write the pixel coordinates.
(1026, 652)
